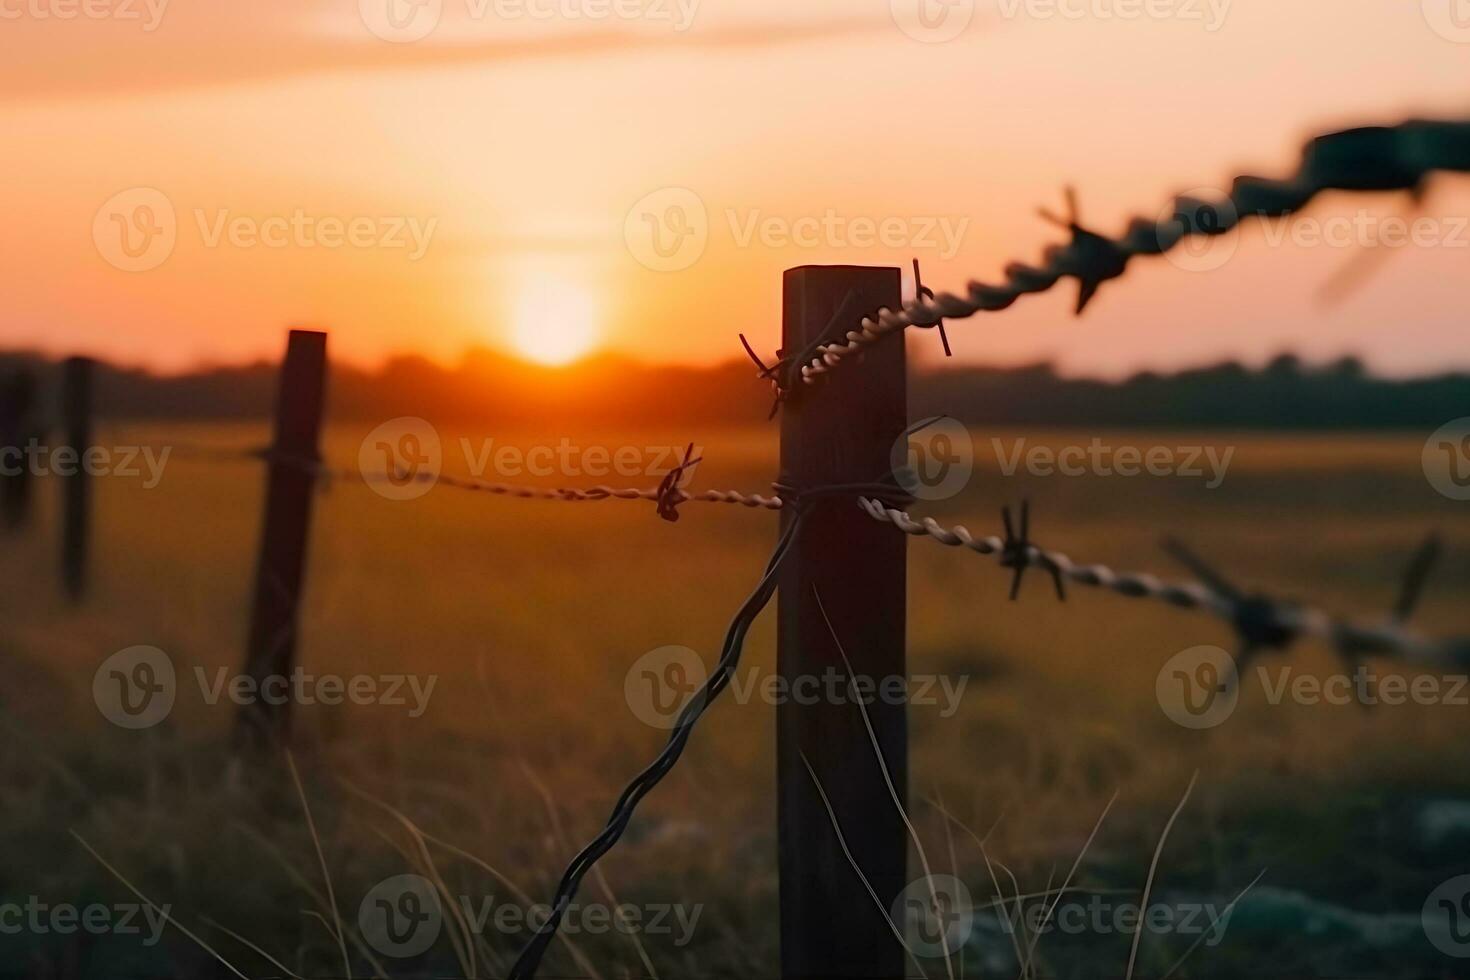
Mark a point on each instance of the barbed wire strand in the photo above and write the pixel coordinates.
(1377, 158)
(670, 491)
(1279, 618)
(1263, 621)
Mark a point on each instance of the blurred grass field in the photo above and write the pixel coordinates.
(530, 614)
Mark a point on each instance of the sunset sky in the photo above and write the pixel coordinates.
(529, 144)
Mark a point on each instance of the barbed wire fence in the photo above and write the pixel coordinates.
(1372, 159)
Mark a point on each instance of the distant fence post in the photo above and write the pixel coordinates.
(17, 427)
(76, 490)
(285, 530)
(842, 433)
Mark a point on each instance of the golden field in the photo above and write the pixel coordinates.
(530, 613)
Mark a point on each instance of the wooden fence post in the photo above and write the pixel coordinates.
(285, 530)
(76, 502)
(17, 427)
(841, 432)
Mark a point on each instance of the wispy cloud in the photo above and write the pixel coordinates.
(70, 60)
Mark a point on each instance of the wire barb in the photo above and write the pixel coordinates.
(1353, 648)
(1262, 623)
(670, 493)
(1017, 552)
(923, 292)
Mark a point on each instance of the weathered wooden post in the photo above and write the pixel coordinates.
(841, 432)
(285, 530)
(17, 427)
(76, 485)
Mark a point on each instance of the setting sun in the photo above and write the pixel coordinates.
(555, 320)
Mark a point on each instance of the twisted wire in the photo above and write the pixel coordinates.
(1388, 638)
(1381, 158)
(206, 453)
(530, 958)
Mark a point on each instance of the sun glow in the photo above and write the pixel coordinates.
(555, 320)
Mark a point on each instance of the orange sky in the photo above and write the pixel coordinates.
(520, 136)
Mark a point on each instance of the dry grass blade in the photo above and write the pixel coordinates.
(269, 847)
(1031, 949)
(1223, 915)
(954, 861)
(1153, 867)
(322, 860)
(257, 950)
(580, 957)
(162, 912)
(462, 938)
(1018, 898)
(887, 776)
(857, 869)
